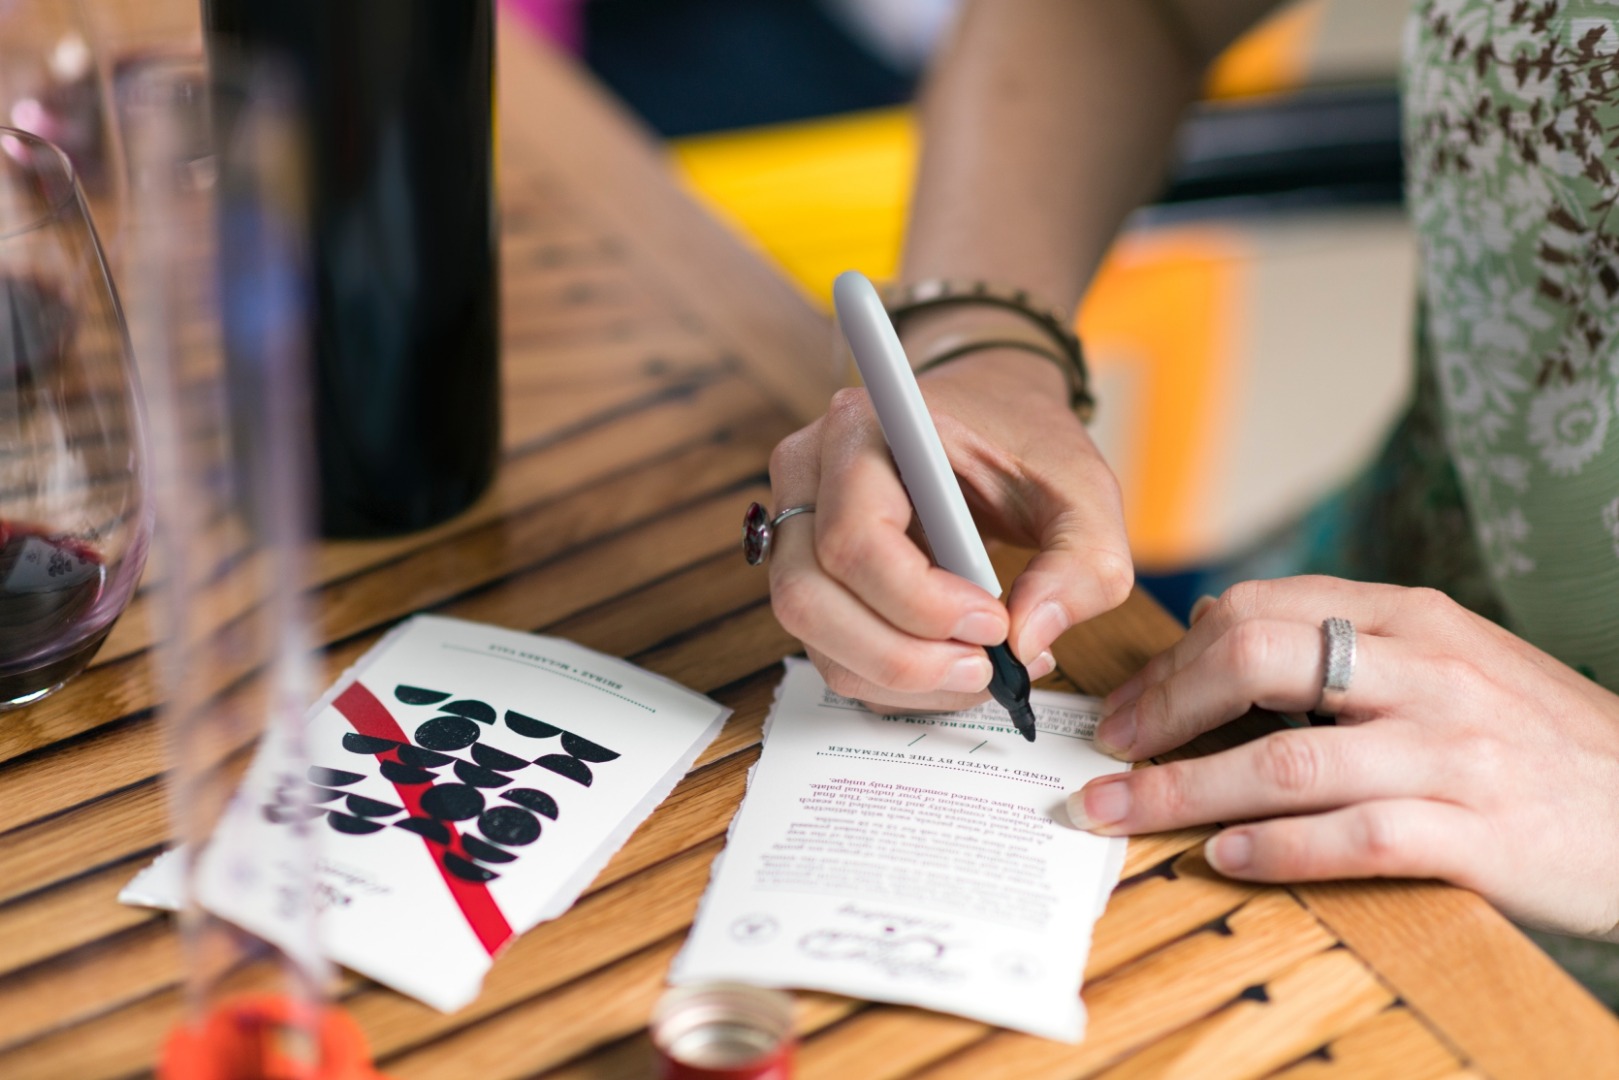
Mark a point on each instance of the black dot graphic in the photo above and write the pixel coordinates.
(586, 750)
(321, 794)
(333, 777)
(361, 806)
(423, 759)
(566, 765)
(530, 728)
(452, 802)
(478, 776)
(490, 758)
(480, 711)
(447, 733)
(355, 743)
(537, 801)
(343, 823)
(485, 851)
(415, 695)
(509, 825)
(404, 774)
(463, 868)
(433, 830)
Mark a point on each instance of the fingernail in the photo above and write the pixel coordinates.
(1199, 609)
(1116, 734)
(1042, 665)
(980, 628)
(967, 675)
(1123, 694)
(1042, 629)
(1230, 852)
(1100, 805)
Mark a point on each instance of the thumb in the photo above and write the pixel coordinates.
(1083, 569)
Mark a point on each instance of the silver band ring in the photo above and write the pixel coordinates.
(1338, 644)
(759, 530)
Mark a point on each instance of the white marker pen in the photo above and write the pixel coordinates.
(924, 469)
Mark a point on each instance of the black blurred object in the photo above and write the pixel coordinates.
(1322, 145)
(399, 111)
(708, 65)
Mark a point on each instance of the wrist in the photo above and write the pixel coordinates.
(925, 330)
(962, 318)
(1001, 370)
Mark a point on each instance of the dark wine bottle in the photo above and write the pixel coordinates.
(396, 96)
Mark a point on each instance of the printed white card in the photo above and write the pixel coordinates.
(467, 782)
(923, 860)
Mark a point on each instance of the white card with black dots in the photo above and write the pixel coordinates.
(465, 783)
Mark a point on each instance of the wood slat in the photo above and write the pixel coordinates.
(1437, 945)
(421, 581)
(1297, 1011)
(1146, 852)
(883, 1042)
(1393, 1045)
(602, 929)
(74, 915)
(782, 343)
(1145, 914)
(1130, 1008)
(130, 753)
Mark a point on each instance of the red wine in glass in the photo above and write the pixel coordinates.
(74, 518)
(49, 586)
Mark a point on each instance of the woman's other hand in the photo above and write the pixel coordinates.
(1460, 752)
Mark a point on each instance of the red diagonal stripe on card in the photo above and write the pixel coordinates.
(369, 716)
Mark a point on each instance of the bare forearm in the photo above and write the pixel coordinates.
(1047, 122)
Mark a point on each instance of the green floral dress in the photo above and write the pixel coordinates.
(1512, 160)
(1500, 485)
(1511, 108)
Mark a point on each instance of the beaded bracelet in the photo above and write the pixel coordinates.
(934, 293)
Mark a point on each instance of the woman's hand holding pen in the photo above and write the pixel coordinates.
(884, 625)
(1460, 752)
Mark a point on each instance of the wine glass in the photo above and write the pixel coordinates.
(74, 515)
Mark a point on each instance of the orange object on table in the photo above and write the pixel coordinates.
(259, 1037)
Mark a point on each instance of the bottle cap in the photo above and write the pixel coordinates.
(723, 1031)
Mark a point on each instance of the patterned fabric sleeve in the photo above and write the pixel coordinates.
(1512, 113)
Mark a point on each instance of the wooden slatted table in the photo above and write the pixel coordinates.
(651, 364)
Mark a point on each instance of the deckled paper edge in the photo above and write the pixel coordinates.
(675, 975)
(159, 884)
(638, 814)
(1072, 1032)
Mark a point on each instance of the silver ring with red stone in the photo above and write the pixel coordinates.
(759, 530)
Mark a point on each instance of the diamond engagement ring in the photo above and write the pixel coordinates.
(759, 530)
(1339, 645)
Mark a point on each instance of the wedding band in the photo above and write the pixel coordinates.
(759, 530)
(1338, 642)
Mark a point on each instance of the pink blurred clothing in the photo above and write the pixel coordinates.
(561, 20)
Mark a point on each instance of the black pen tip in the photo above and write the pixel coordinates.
(1010, 687)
